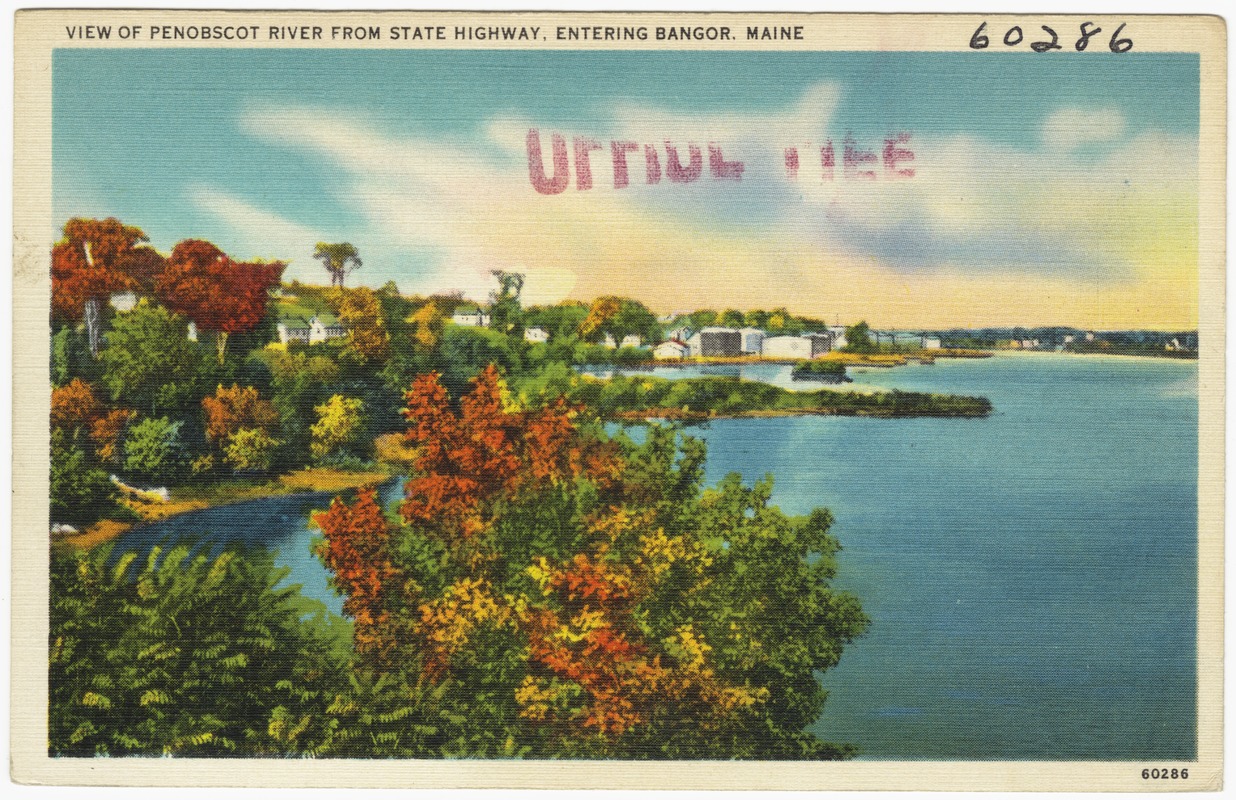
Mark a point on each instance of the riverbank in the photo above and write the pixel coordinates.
(195, 497)
(631, 397)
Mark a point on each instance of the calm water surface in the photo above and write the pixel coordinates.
(1031, 577)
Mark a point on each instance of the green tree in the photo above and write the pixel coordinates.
(187, 654)
(858, 339)
(505, 312)
(463, 352)
(149, 362)
(154, 450)
(339, 259)
(80, 493)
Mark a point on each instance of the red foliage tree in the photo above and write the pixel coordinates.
(90, 262)
(220, 295)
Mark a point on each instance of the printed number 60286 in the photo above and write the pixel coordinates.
(1165, 774)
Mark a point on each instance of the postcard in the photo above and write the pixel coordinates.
(619, 400)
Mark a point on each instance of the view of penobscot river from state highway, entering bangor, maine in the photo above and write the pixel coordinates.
(1031, 576)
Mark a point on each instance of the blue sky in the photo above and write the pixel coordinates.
(403, 153)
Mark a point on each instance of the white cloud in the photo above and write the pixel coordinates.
(1071, 128)
(258, 233)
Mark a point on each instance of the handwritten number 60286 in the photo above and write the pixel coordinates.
(1014, 36)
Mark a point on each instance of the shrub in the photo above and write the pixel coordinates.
(153, 451)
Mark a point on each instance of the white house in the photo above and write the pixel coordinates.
(471, 317)
(314, 331)
(673, 349)
(192, 331)
(931, 343)
(630, 340)
(1068, 338)
(123, 301)
(536, 335)
(838, 332)
(320, 330)
(752, 338)
(681, 333)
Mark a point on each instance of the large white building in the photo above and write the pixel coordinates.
(752, 339)
(716, 342)
(786, 347)
(808, 345)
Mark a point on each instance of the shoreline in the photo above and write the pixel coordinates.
(1069, 354)
(313, 480)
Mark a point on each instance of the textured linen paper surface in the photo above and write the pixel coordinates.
(618, 400)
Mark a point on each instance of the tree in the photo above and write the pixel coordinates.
(251, 450)
(339, 259)
(233, 409)
(339, 426)
(154, 450)
(619, 317)
(360, 311)
(858, 338)
(220, 295)
(240, 423)
(600, 314)
(428, 322)
(149, 362)
(505, 313)
(90, 263)
(580, 596)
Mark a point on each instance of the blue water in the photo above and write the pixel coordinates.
(1031, 577)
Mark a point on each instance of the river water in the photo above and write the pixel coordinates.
(1031, 577)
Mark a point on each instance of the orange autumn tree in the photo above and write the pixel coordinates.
(577, 595)
(83, 417)
(236, 416)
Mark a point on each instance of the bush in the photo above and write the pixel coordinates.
(80, 494)
(251, 450)
(153, 451)
(182, 654)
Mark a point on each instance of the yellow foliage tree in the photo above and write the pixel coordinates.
(339, 425)
(360, 311)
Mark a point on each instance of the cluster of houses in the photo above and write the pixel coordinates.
(722, 342)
